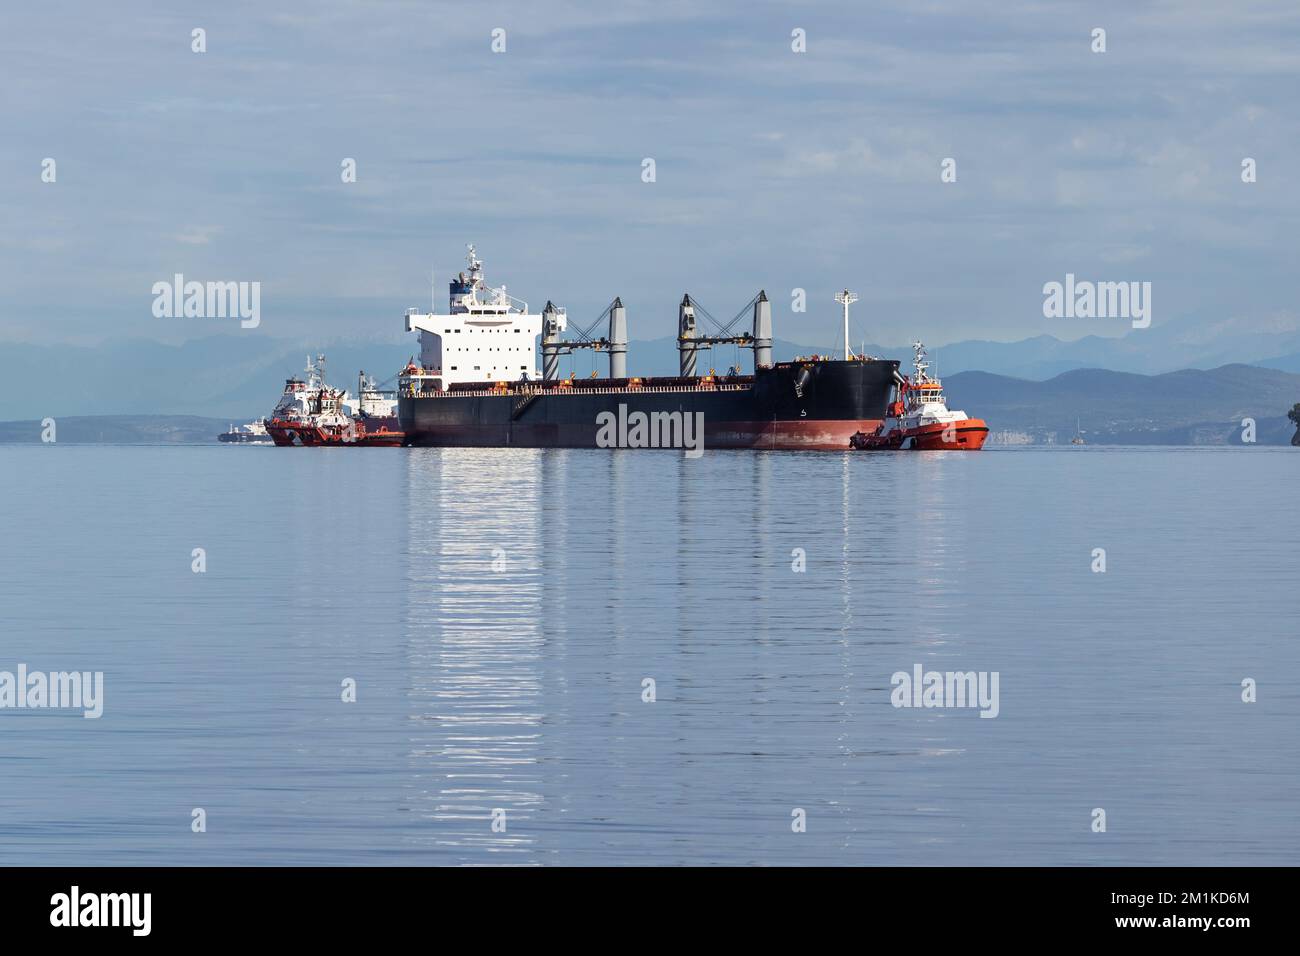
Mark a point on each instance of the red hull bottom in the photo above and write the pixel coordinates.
(806, 435)
(966, 435)
(287, 434)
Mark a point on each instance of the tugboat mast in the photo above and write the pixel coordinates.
(918, 351)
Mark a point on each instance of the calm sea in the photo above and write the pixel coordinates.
(501, 612)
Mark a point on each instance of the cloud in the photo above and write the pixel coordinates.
(775, 169)
(197, 235)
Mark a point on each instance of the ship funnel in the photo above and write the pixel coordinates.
(686, 336)
(550, 343)
(617, 339)
(762, 332)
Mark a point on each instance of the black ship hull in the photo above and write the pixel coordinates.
(817, 404)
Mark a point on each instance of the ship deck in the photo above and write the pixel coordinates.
(583, 387)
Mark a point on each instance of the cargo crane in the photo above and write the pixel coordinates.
(689, 339)
(554, 322)
(689, 342)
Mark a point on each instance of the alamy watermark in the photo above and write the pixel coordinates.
(208, 300)
(1098, 300)
(923, 688)
(651, 430)
(56, 690)
(129, 910)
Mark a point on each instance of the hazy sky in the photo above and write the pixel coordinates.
(774, 168)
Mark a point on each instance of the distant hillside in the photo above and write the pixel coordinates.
(241, 375)
(120, 429)
(231, 376)
(1189, 407)
(1287, 363)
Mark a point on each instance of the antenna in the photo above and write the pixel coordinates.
(846, 298)
(918, 351)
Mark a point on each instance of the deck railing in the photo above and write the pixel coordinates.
(410, 391)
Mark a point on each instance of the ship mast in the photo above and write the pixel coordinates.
(920, 363)
(846, 298)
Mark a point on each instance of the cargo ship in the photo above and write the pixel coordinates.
(476, 383)
(254, 433)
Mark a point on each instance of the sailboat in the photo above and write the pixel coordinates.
(1078, 435)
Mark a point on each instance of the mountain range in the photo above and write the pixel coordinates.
(1166, 384)
(1187, 407)
(240, 376)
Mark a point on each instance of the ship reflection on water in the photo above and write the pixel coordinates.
(597, 640)
(670, 656)
(646, 659)
(475, 645)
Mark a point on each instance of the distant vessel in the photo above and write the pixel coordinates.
(1078, 435)
(310, 412)
(254, 433)
(919, 418)
(476, 380)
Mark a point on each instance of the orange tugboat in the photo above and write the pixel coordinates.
(919, 419)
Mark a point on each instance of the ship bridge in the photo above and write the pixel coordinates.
(485, 335)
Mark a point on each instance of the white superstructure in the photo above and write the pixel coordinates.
(372, 403)
(925, 403)
(254, 433)
(486, 335)
(312, 398)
